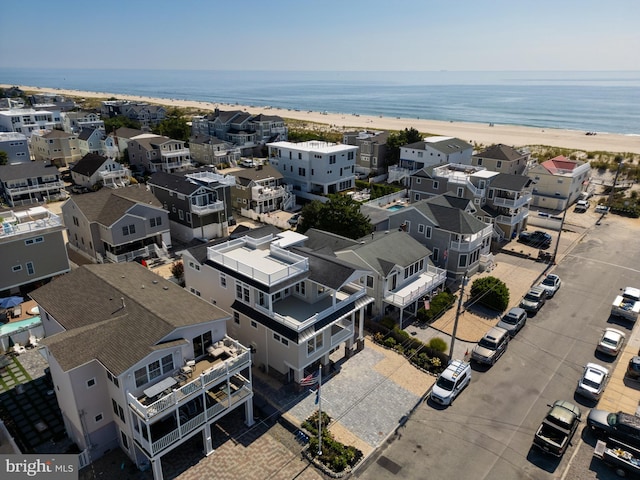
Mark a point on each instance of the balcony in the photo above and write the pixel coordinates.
(207, 373)
(115, 175)
(261, 194)
(513, 219)
(512, 202)
(425, 283)
(216, 206)
(128, 256)
(18, 224)
(250, 257)
(40, 187)
(466, 246)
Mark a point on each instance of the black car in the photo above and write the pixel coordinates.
(619, 426)
(537, 238)
(633, 369)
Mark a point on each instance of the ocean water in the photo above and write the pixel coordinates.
(586, 101)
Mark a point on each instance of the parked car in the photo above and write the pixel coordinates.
(594, 380)
(294, 220)
(602, 209)
(533, 301)
(537, 238)
(78, 189)
(551, 284)
(451, 382)
(611, 342)
(582, 206)
(513, 320)
(491, 347)
(557, 428)
(620, 426)
(633, 368)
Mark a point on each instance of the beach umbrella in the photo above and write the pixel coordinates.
(10, 302)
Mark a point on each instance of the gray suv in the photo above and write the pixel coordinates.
(513, 321)
(491, 347)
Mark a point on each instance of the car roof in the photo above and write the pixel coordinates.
(516, 312)
(613, 332)
(595, 372)
(537, 289)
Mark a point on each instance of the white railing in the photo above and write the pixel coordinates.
(209, 208)
(42, 187)
(439, 277)
(121, 174)
(465, 246)
(341, 336)
(127, 257)
(13, 228)
(512, 203)
(165, 441)
(198, 385)
(513, 219)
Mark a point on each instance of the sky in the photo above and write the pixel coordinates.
(334, 35)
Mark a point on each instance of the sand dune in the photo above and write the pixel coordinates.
(479, 133)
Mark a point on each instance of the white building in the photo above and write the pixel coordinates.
(16, 145)
(315, 167)
(139, 364)
(558, 182)
(26, 121)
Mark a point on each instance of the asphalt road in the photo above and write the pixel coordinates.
(487, 433)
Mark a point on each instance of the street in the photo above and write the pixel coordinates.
(488, 431)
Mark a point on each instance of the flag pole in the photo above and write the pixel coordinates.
(319, 412)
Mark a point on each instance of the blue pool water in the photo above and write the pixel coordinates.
(11, 327)
(393, 208)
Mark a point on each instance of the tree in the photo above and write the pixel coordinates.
(397, 140)
(173, 126)
(490, 292)
(113, 123)
(340, 215)
(4, 157)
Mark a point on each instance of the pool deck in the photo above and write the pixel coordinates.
(26, 306)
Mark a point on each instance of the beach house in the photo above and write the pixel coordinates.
(292, 306)
(29, 120)
(117, 225)
(140, 364)
(371, 157)
(32, 247)
(558, 182)
(16, 147)
(502, 158)
(73, 122)
(315, 168)
(198, 202)
(60, 148)
(31, 183)
(154, 153)
(94, 169)
(261, 190)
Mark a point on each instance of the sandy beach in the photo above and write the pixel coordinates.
(478, 133)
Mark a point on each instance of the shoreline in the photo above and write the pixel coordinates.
(479, 133)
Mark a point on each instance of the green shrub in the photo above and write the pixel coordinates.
(388, 322)
(490, 292)
(438, 344)
(438, 304)
(390, 342)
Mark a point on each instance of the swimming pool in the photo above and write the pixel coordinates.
(393, 208)
(12, 327)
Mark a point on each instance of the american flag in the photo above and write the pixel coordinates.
(309, 380)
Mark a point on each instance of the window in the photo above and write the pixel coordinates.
(141, 376)
(236, 318)
(194, 291)
(16, 268)
(262, 299)
(499, 164)
(436, 254)
(31, 241)
(194, 265)
(91, 382)
(181, 214)
(128, 230)
(314, 344)
(223, 280)
(200, 343)
(167, 363)
(462, 261)
(114, 404)
(479, 161)
(242, 291)
(369, 281)
(125, 442)
(302, 171)
(98, 418)
(30, 269)
(420, 228)
(156, 221)
(154, 370)
(435, 184)
(300, 288)
(276, 337)
(254, 324)
(428, 232)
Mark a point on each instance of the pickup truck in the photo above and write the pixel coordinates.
(627, 305)
(557, 428)
(537, 238)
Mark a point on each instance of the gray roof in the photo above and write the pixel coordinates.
(507, 181)
(261, 172)
(327, 269)
(125, 132)
(88, 303)
(319, 240)
(500, 152)
(108, 205)
(449, 145)
(384, 250)
(26, 170)
(86, 133)
(89, 164)
(58, 134)
(449, 218)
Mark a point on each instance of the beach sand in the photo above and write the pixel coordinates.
(478, 133)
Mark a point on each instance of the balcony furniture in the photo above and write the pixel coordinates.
(186, 370)
(161, 386)
(215, 351)
(17, 311)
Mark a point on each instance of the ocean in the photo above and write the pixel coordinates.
(585, 101)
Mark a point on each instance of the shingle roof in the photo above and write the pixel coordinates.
(500, 152)
(89, 164)
(24, 170)
(88, 303)
(108, 205)
(85, 133)
(248, 175)
(57, 134)
(124, 132)
(326, 269)
(449, 218)
(507, 181)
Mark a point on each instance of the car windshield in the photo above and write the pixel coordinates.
(612, 419)
(590, 383)
(445, 383)
(609, 341)
(549, 282)
(510, 320)
(532, 297)
(485, 343)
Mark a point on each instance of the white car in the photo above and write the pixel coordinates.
(551, 284)
(594, 379)
(611, 342)
(451, 382)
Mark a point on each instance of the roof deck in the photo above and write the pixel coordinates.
(28, 221)
(259, 259)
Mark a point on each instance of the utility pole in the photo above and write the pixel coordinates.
(455, 323)
(555, 250)
(613, 188)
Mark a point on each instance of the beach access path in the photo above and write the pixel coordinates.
(479, 133)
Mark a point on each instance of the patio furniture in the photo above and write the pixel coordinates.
(17, 311)
(161, 386)
(18, 349)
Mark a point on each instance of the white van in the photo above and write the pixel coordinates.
(582, 205)
(451, 382)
